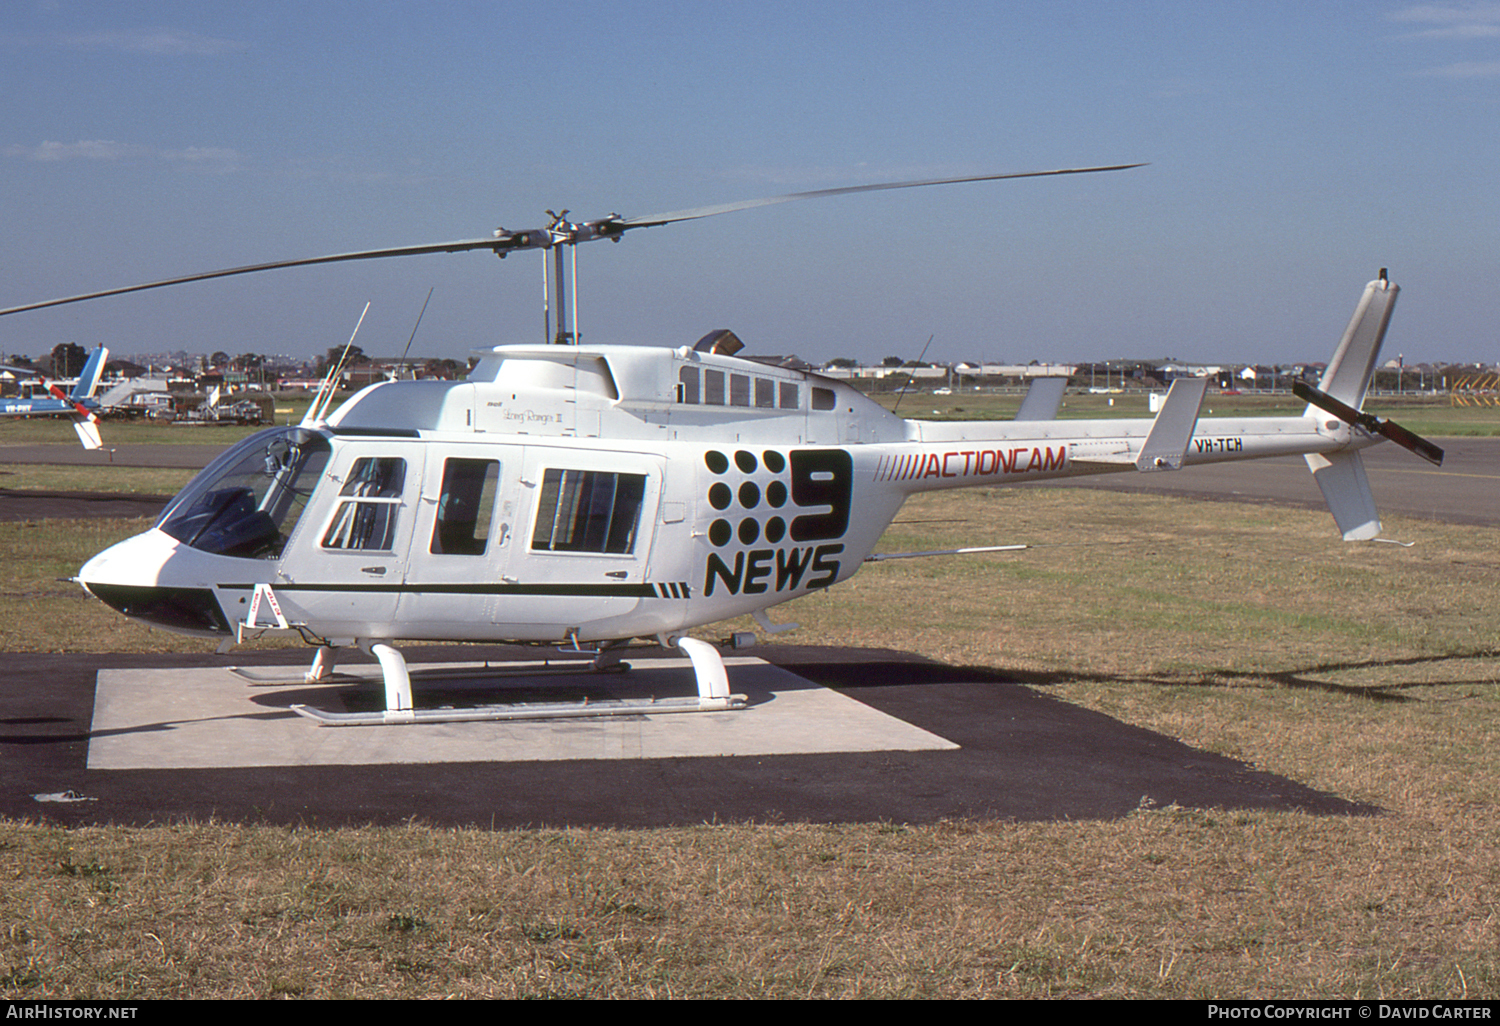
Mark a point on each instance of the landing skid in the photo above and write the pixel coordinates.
(708, 669)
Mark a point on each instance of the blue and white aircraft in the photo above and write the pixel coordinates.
(80, 403)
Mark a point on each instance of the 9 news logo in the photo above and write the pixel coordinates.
(751, 494)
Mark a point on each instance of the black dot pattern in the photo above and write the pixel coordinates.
(750, 489)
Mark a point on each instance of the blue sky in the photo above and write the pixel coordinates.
(1295, 148)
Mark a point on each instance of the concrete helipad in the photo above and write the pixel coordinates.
(842, 735)
(218, 717)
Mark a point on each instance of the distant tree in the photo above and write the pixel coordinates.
(842, 361)
(355, 358)
(68, 359)
(218, 360)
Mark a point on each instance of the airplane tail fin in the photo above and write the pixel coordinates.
(88, 381)
(1341, 475)
(86, 421)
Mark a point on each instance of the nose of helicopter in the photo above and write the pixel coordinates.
(146, 578)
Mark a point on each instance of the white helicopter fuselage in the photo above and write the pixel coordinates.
(588, 493)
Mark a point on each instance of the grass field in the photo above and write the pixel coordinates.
(1370, 672)
(1426, 415)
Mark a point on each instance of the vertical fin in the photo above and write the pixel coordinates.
(93, 370)
(1348, 373)
(1346, 489)
(88, 434)
(1341, 475)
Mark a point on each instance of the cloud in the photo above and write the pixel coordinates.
(84, 149)
(1466, 69)
(198, 158)
(1479, 19)
(164, 42)
(204, 158)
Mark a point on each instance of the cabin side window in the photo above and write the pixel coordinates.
(366, 517)
(739, 390)
(465, 507)
(687, 386)
(697, 387)
(713, 388)
(588, 511)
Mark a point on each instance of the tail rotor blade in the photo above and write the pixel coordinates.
(1375, 425)
(1408, 440)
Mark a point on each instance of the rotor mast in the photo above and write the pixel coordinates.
(562, 235)
(559, 235)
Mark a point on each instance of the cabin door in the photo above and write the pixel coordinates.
(464, 534)
(586, 523)
(344, 573)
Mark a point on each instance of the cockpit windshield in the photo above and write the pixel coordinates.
(247, 502)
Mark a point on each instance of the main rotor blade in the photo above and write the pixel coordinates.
(496, 243)
(651, 220)
(502, 242)
(1375, 425)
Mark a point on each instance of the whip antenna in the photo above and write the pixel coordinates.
(326, 389)
(414, 327)
(907, 384)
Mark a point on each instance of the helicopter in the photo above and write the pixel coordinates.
(596, 495)
(79, 403)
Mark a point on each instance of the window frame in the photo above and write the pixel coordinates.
(568, 500)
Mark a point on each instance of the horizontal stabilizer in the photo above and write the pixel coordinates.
(120, 393)
(1346, 489)
(1172, 431)
(1043, 399)
(1119, 456)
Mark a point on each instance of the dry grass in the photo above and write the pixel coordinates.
(1366, 671)
(94, 478)
(1165, 903)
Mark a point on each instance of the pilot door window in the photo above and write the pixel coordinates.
(465, 507)
(370, 504)
(588, 511)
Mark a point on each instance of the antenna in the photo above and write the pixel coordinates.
(907, 383)
(414, 327)
(327, 389)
